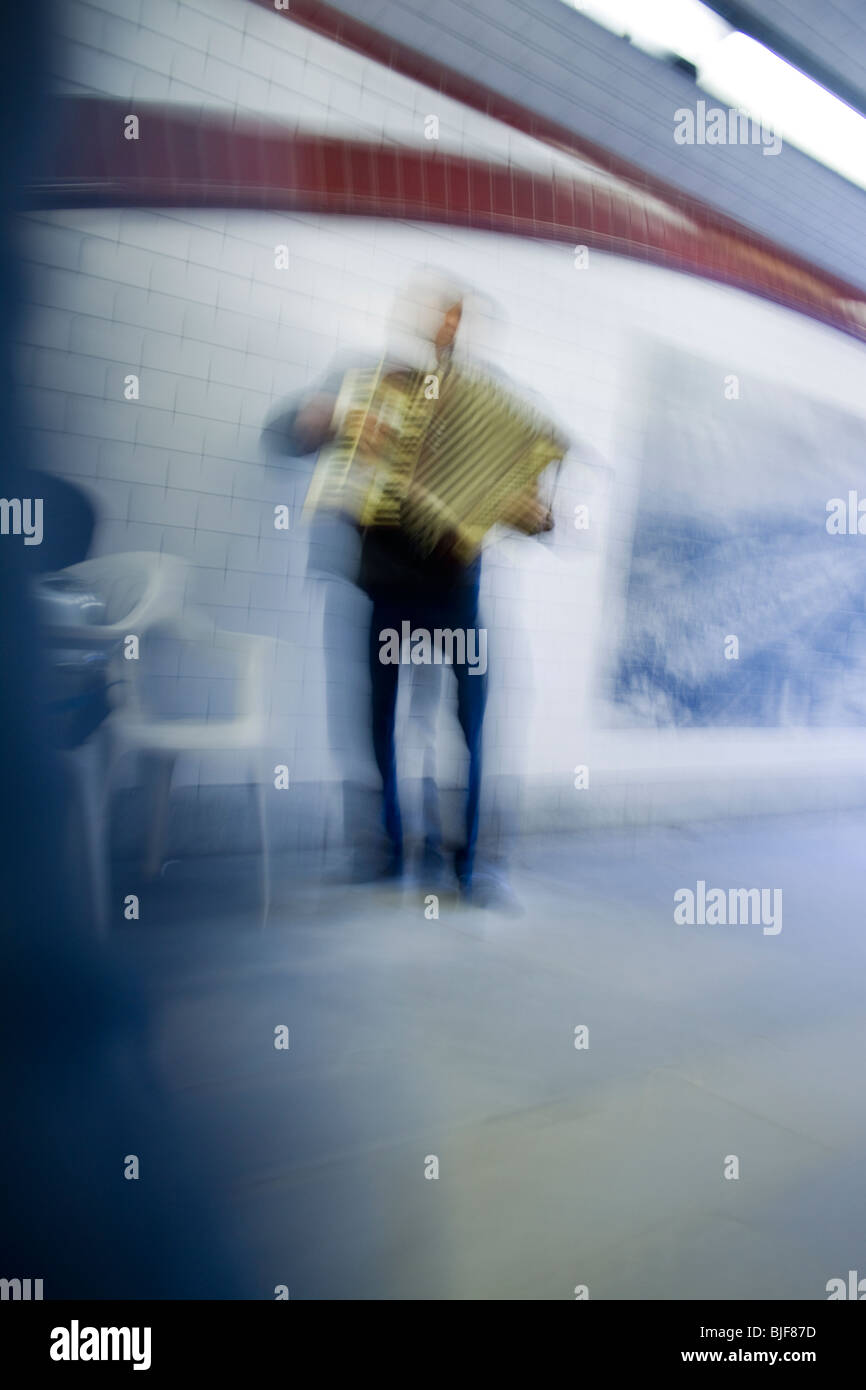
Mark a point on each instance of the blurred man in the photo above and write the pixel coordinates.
(427, 592)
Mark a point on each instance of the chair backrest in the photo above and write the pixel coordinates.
(140, 589)
(143, 593)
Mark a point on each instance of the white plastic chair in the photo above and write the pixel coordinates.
(144, 592)
(246, 731)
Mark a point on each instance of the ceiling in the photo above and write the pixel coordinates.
(826, 40)
(549, 58)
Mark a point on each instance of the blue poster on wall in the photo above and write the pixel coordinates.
(746, 595)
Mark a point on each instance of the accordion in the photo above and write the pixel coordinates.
(442, 456)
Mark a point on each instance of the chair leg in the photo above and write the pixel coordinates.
(164, 767)
(109, 756)
(94, 836)
(261, 788)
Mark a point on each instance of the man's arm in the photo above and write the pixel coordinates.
(303, 429)
(306, 425)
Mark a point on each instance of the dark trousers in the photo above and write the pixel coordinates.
(454, 610)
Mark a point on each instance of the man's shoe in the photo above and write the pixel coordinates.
(491, 892)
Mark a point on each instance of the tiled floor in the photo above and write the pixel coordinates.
(454, 1038)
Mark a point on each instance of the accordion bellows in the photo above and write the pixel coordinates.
(441, 455)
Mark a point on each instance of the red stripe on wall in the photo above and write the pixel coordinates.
(183, 159)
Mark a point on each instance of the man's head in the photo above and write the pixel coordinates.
(443, 339)
(426, 317)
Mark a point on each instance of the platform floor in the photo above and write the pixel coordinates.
(413, 1038)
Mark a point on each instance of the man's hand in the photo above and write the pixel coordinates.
(529, 514)
(377, 438)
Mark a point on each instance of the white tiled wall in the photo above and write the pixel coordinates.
(192, 304)
(233, 55)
